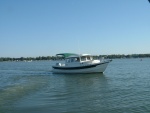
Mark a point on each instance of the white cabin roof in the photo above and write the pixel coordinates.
(69, 55)
(78, 55)
(85, 54)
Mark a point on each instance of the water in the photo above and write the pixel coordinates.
(30, 87)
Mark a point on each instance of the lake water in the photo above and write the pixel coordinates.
(30, 87)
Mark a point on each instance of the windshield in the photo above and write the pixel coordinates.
(73, 59)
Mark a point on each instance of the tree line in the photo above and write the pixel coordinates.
(28, 58)
(114, 56)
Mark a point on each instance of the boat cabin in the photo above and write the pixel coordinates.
(76, 59)
(79, 58)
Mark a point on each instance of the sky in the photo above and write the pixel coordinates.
(31, 28)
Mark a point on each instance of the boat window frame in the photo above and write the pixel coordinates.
(83, 58)
(76, 59)
(72, 59)
(67, 60)
(86, 58)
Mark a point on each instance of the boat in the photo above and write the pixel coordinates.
(80, 63)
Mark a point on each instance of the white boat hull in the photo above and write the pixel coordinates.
(95, 68)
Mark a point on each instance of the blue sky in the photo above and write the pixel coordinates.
(30, 28)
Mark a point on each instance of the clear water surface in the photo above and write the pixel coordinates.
(30, 87)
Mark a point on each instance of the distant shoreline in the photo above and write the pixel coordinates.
(113, 56)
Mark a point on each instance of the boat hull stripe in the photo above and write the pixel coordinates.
(81, 67)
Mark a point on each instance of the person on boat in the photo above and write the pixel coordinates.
(76, 59)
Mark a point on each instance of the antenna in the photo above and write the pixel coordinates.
(78, 47)
(79, 50)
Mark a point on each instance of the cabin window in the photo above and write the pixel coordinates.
(76, 59)
(83, 58)
(67, 60)
(72, 59)
(88, 58)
